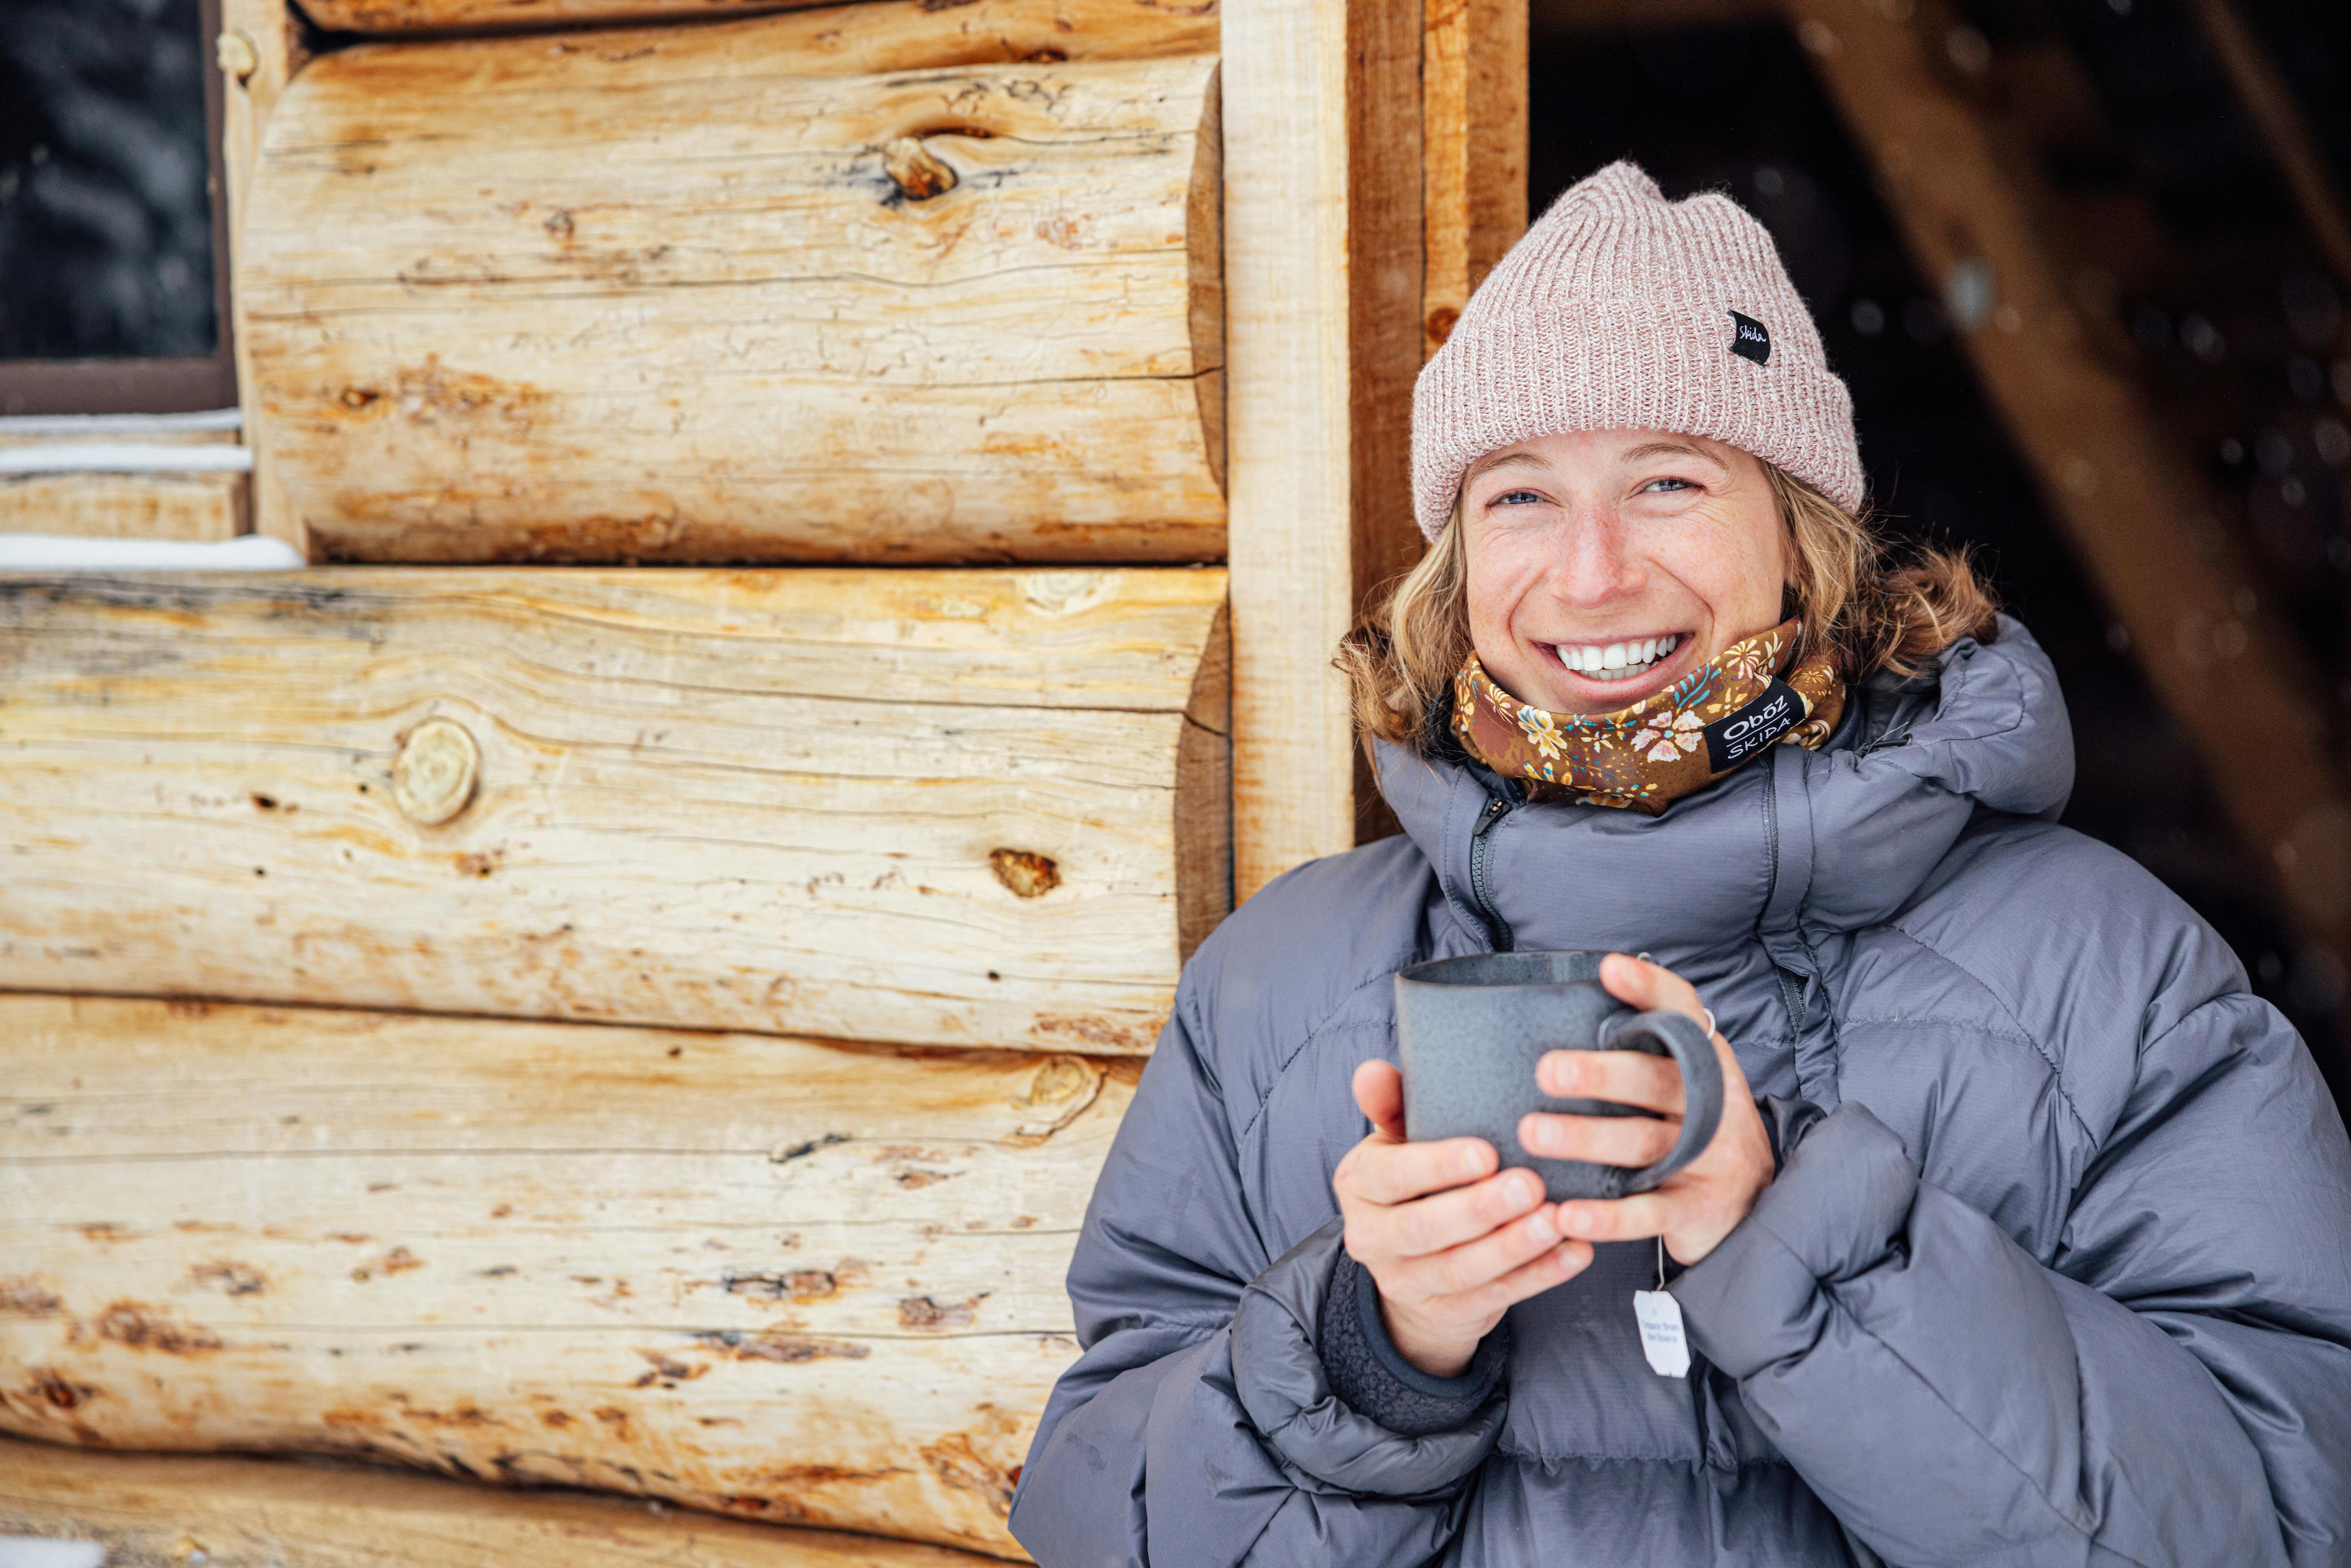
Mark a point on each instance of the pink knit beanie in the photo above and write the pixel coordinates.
(1621, 310)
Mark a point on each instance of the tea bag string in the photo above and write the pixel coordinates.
(1661, 1262)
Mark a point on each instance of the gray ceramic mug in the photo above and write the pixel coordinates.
(1469, 1031)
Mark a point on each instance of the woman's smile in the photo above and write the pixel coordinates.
(1625, 669)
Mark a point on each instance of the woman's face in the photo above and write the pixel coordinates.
(1605, 565)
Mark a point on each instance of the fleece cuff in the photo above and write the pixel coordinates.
(1371, 1375)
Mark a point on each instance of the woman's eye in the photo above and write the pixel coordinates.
(1516, 499)
(1663, 486)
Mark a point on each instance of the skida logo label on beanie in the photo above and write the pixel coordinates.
(1749, 340)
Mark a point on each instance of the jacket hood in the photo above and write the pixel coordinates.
(1798, 845)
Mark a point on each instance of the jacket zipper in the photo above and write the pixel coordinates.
(1789, 996)
(1496, 926)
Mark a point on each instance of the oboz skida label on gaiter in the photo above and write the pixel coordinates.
(1733, 740)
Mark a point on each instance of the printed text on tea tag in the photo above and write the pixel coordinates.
(1662, 1340)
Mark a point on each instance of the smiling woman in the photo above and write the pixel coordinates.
(1987, 1257)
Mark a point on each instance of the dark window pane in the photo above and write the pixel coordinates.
(105, 233)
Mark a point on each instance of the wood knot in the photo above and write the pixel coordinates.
(436, 772)
(916, 169)
(1027, 874)
(1061, 1078)
(236, 55)
(930, 1313)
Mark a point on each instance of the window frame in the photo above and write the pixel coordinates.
(172, 385)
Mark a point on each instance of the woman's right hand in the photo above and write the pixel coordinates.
(1450, 1243)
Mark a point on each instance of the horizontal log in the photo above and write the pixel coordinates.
(887, 35)
(951, 808)
(691, 294)
(797, 1282)
(507, 16)
(174, 505)
(262, 1513)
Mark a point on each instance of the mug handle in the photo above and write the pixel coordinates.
(1687, 1042)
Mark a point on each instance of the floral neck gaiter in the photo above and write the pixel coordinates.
(1713, 720)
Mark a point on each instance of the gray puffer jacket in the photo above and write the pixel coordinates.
(2061, 1275)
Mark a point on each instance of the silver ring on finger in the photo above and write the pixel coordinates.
(1710, 1020)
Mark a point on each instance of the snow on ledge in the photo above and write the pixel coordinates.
(67, 553)
(124, 458)
(95, 424)
(46, 1552)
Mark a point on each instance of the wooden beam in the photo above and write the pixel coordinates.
(1075, 29)
(1473, 78)
(2139, 518)
(262, 44)
(398, 16)
(956, 807)
(262, 1513)
(117, 476)
(866, 38)
(2270, 103)
(168, 506)
(1323, 256)
(797, 1282)
(691, 294)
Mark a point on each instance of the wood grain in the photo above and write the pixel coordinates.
(673, 294)
(464, 16)
(920, 34)
(797, 1282)
(1323, 240)
(264, 1514)
(199, 507)
(270, 34)
(789, 801)
(1474, 150)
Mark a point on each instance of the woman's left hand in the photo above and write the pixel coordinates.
(1699, 1205)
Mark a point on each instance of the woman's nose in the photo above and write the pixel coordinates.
(1596, 563)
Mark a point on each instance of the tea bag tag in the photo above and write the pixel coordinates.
(1660, 1317)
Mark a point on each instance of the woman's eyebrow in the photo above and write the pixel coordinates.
(1489, 463)
(1649, 449)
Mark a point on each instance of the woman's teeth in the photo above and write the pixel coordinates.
(1615, 661)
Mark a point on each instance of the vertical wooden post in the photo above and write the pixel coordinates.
(1473, 77)
(259, 49)
(1323, 285)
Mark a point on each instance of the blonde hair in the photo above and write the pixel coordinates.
(1873, 610)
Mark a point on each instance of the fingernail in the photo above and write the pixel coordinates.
(1472, 1162)
(1525, 1189)
(1543, 1226)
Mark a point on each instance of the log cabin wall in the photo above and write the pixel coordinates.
(727, 293)
(871, 284)
(547, 1018)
